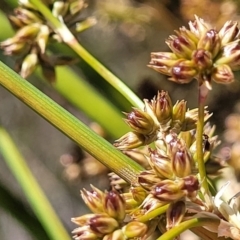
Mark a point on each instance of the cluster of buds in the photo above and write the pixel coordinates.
(159, 116)
(108, 220)
(34, 33)
(200, 53)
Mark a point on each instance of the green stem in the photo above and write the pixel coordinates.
(72, 42)
(183, 226)
(35, 195)
(156, 212)
(69, 125)
(203, 92)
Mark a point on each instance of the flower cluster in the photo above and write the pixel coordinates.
(158, 117)
(34, 33)
(108, 218)
(200, 53)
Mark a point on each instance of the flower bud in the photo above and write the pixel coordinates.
(93, 199)
(42, 38)
(229, 32)
(162, 107)
(168, 190)
(59, 8)
(138, 193)
(230, 56)
(160, 164)
(222, 74)
(199, 27)
(175, 214)
(114, 205)
(134, 229)
(27, 16)
(162, 62)
(130, 140)
(191, 183)
(210, 42)
(202, 59)
(183, 72)
(182, 162)
(141, 122)
(27, 32)
(179, 111)
(181, 46)
(29, 64)
(85, 233)
(147, 179)
(151, 203)
(130, 202)
(116, 235)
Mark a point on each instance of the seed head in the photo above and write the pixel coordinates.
(200, 53)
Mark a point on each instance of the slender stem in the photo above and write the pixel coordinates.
(203, 92)
(35, 195)
(195, 222)
(71, 41)
(156, 212)
(69, 125)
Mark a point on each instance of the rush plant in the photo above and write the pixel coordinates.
(160, 180)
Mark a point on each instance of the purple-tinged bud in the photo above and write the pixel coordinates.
(202, 59)
(182, 162)
(85, 233)
(191, 183)
(199, 27)
(116, 235)
(229, 32)
(183, 72)
(138, 193)
(222, 74)
(114, 205)
(103, 224)
(93, 199)
(151, 203)
(162, 107)
(230, 56)
(168, 190)
(183, 31)
(163, 62)
(148, 178)
(135, 229)
(130, 140)
(181, 46)
(99, 223)
(175, 214)
(13, 48)
(141, 122)
(161, 164)
(210, 42)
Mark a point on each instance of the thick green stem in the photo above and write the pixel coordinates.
(203, 92)
(71, 41)
(69, 125)
(32, 190)
(195, 222)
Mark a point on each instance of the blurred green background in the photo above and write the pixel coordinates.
(127, 31)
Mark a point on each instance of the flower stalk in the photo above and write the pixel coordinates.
(72, 42)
